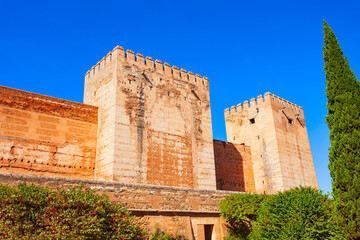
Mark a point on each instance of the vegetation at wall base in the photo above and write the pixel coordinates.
(161, 235)
(299, 213)
(240, 211)
(32, 212)
(343, 94)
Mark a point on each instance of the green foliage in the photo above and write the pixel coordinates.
(32, 212)
(160, 235)
(300, 213)
(343, 93)
(240, 211)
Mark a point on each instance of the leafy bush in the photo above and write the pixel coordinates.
(300, 213)
(240, 211)
(160, 235)
(32, 212)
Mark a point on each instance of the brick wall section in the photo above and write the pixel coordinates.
(178, 210)
(233, 167)
(46, 136)
(154, 122)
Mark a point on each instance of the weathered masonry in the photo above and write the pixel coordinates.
(144, 138)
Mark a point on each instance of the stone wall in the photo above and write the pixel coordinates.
(233, 167)
(154, 122)
(182, 211)
(276, 132)
(46, 136)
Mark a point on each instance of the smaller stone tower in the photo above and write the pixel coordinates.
(276, 132)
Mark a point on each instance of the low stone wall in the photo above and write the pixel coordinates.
(46, 136)
(183, 211)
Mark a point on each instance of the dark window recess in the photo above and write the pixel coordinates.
(290, 120)
(252, 120)
(208, 231)
(234, 138)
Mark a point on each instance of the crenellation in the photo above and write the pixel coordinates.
(175, 72)
(149, 62)
(140, 59)
(253, 103)
(130, 55)
(183, 75)
(167, 69)
(239, 107)
(233, 109)
(102, 63)
(159, 66)
(206, 82)
(260, 99)
(119, 53)
(246, 105)
(191, 77)
(198, 79)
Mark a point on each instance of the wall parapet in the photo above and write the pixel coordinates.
(268, 97)
(24, 100)
(159, 66)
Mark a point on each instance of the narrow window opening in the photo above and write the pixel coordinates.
(234, 138)
(290, 121)
(252, 120)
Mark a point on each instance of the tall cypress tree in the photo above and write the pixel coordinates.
(343, 93)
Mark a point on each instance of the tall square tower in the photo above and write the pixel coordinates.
(154, 122)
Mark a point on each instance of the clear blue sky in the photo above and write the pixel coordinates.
(245, 48)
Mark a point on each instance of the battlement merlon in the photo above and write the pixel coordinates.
(260, 100)
(130, 57)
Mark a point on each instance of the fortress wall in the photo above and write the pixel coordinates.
(233, 167)
(177, 210)
(46, 136)
(162, 122)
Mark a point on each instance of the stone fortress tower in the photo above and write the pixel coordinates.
(154, 122)
(276, 132)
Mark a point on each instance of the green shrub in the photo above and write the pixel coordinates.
(300, 213)
(240, 211)
(32, 212)
(160, 235)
